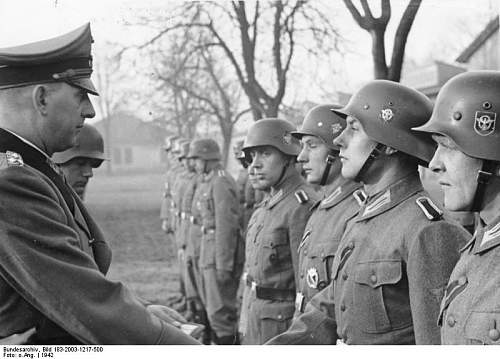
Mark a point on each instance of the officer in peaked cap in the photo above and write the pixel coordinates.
(59, 286)
(274, 230)
(467, 163)
(395, 256)
(78, 162)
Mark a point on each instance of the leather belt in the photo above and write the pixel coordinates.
(269, 293)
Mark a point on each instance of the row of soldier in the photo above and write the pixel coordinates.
(366, 259)
(354, 250)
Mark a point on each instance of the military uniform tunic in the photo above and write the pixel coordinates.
(321, 239)
(470, 311)
(53, 260)
(221, 249)
(388, 276)
(273, 236)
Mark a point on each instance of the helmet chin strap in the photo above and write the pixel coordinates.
(483, 178)
(379, 148)
(330, 159)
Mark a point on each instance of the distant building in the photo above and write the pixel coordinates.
(482, 52)
(134, 145)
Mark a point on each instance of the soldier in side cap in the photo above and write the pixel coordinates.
(77, 162)
(341, 201)
(463, 124)
(59, 286)
(396, 255)
(221, 249)
(274, 230)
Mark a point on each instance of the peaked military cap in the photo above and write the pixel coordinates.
(64, 58)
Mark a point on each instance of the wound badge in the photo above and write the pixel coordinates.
(485, 122)
(387, 114)
(312, 278)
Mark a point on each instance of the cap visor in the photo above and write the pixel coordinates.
(340, 112)
(85, 84)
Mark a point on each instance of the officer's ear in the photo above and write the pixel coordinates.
(389, 151)
(40, 98)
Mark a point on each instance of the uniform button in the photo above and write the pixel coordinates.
(494, 334)
(373, 278)
(280, 316)
(301, 275)
(342, 307)
(462, 280)
(344, 276)
(351, 245)
(451, 320)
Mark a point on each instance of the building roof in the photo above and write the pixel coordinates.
(126, 129)
(483, 36)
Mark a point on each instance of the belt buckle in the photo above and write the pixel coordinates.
(254, 286)
(340, 342)
(191, 219)
(244, 277)
(299, 302)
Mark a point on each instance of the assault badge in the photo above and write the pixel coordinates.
(14, 159)
(387, 114)
(484, 123)
(312, 278)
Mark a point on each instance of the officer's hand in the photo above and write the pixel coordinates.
(224, 276)
(167, 314)
(17, 339)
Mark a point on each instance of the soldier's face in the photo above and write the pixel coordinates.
(199, 165)
(267, 166)
(67, 109)
(78, 171)
(456, 173)
(355, 147)
(313, 158)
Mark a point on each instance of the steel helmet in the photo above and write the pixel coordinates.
(184, 147)
(466, 111)
(169, 142)
(273, 132)
(321, 122)
(89, 144)
(388, 111)
(205, 148)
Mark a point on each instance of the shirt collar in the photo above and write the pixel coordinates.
(28, 143)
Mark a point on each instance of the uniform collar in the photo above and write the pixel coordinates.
(290, 181)
(28, 143)
(337, 194)
(485, 237)
(208, 176)
(390, 197)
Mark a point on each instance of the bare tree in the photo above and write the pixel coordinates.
(269, 34)
(377, 26)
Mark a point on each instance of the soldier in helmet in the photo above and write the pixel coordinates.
(166, 202)
(220, 248)
(396, 255)
(274, 230)
(463, 124)
(77, 162)
(341, 201)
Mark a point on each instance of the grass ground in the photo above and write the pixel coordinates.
(127, 207)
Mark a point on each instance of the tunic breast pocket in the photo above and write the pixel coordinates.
(276, 252)
(483, 328)
(381, 300)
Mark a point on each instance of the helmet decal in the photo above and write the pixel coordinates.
(386, 115)
(287, 138)
(336, 128)
(484, 123)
